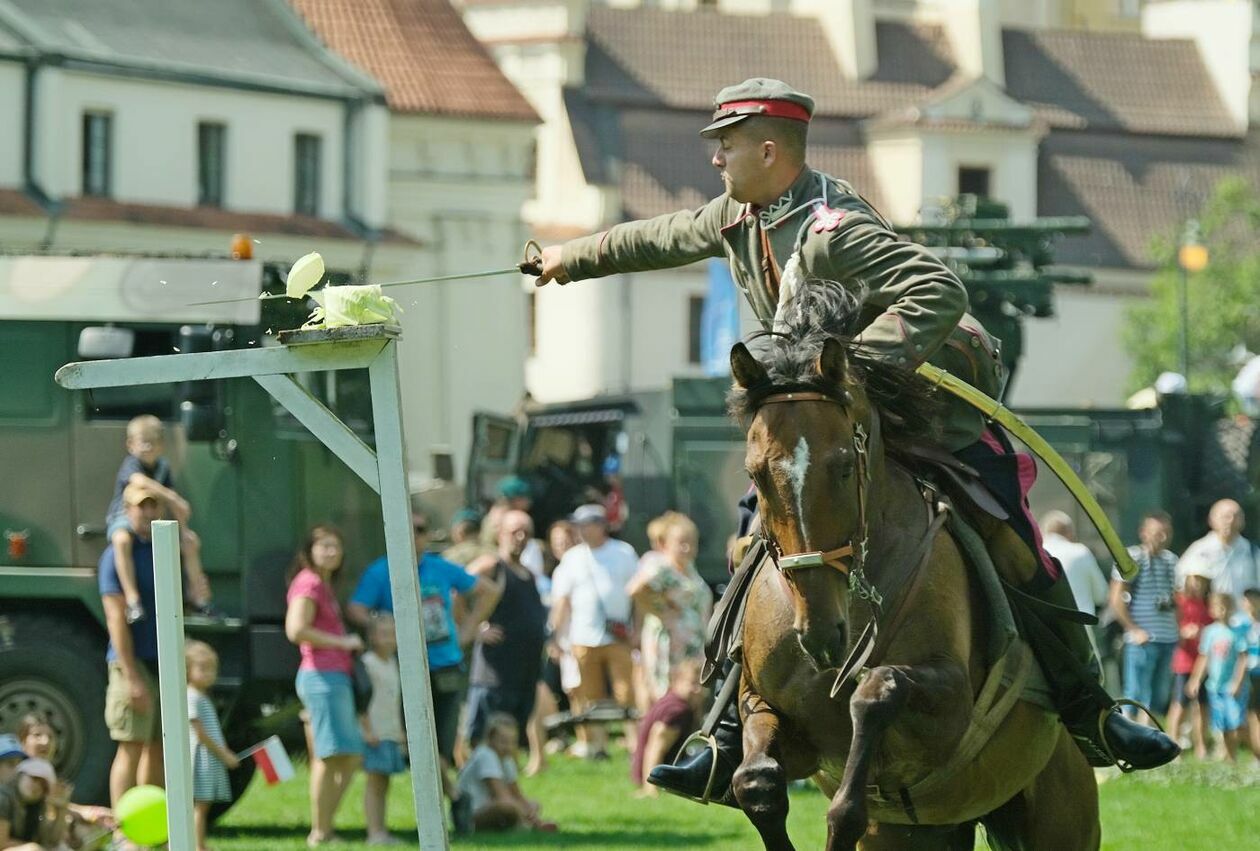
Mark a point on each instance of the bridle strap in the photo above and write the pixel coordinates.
(799, 396)
(832, 558)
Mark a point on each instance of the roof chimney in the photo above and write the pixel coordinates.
(974, 28)
(850, 27)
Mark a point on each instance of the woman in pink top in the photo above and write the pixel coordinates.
(313, 622)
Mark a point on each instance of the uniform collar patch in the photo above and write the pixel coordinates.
(826, 218)
(775, 211)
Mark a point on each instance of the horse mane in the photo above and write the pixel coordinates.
(908, 405)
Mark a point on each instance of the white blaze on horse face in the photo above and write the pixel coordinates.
(796, 468)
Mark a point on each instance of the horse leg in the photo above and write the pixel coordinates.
(1058, 810)
(936, 690)
(760, 782)
(876, 703)
(913, 837)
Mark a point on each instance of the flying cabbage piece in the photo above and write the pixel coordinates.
(340, 307)
(305, 274)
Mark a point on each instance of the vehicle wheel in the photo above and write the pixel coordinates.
(54, 668)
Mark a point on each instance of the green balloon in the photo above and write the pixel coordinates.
(141, 814)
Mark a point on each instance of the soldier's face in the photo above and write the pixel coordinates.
(743, 162)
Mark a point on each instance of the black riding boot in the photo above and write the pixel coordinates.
(1091, 715)
(691, 778)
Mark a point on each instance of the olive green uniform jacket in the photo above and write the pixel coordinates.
(915, 308)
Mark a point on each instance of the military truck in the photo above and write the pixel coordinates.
(254, 477)
(678, 449)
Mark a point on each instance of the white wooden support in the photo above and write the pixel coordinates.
(323, 423)
(168, 589)
(404, 582)
(234, 363)
(385, 470)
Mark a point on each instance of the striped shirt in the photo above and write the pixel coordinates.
(1150, 593)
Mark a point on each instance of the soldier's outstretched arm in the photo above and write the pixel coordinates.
(663, 242)
(920, 299)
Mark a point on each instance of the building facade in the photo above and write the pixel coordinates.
(1131, 126)
(167, 126)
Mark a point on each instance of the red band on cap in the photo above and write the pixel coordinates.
(773, 108)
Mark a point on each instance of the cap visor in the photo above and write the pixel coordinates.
(721, 124)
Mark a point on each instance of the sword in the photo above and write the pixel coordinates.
(532, 265)
(1002, 415)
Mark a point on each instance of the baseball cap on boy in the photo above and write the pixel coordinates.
(10, 747)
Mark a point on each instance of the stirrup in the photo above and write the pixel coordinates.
(710, 742)
(1124, 767)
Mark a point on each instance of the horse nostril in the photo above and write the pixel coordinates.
(844, 634)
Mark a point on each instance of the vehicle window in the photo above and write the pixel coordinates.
(29, 354)
(123, 403)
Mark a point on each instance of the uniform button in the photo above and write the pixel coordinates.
(975, 342)
(901, 360)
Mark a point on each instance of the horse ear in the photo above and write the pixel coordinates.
(832, 362)
(745, 368)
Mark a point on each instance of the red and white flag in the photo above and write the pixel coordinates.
(272, 759)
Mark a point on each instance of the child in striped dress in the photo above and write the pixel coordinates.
(211, 757)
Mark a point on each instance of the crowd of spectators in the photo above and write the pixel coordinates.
(1187, 628)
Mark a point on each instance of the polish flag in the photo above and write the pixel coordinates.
(272, 760)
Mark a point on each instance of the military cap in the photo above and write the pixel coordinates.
(758, 96)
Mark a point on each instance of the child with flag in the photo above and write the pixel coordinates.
(211, 757)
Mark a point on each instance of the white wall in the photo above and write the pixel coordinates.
(897, 161)
(12, 128)
(155, 140)
(1011, 158)
(458, 186)
(1077, 357)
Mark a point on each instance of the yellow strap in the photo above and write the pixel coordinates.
(997, 412)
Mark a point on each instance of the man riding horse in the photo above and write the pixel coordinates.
(781, 223)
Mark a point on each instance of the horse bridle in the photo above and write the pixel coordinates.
(855, 551)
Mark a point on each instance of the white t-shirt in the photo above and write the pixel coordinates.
(595, 582)
(1089, 586)
(384, 710)
(483, 765)
(1231, 569)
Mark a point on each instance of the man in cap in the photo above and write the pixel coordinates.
(781, 224)
(11, 754)
(131, 698)
(33, 808)
(590, 602)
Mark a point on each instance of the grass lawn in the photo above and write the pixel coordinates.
(1185, 806)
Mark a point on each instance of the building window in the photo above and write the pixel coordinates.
(211, 149)
(97, 153)
(973, 180)
(306, 158)
(695, 326)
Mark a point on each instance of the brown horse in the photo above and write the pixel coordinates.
(821, 416)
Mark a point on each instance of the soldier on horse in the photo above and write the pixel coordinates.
(782, 224)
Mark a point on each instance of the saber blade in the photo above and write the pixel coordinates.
(519, 269)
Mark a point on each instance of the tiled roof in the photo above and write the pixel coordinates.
(1134, 188)
(212, 218)
(1115, 81)
(682, 59)
(423, 54)
(14, 202)
(242, 41)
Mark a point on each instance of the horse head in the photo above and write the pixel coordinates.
(811, 434)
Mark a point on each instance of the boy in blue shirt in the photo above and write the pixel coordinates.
(445, 637)
(1221, 668)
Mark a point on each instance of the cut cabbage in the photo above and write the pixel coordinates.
(340, 307)
(305, 274)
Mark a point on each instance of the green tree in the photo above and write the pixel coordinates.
(1223, 299)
